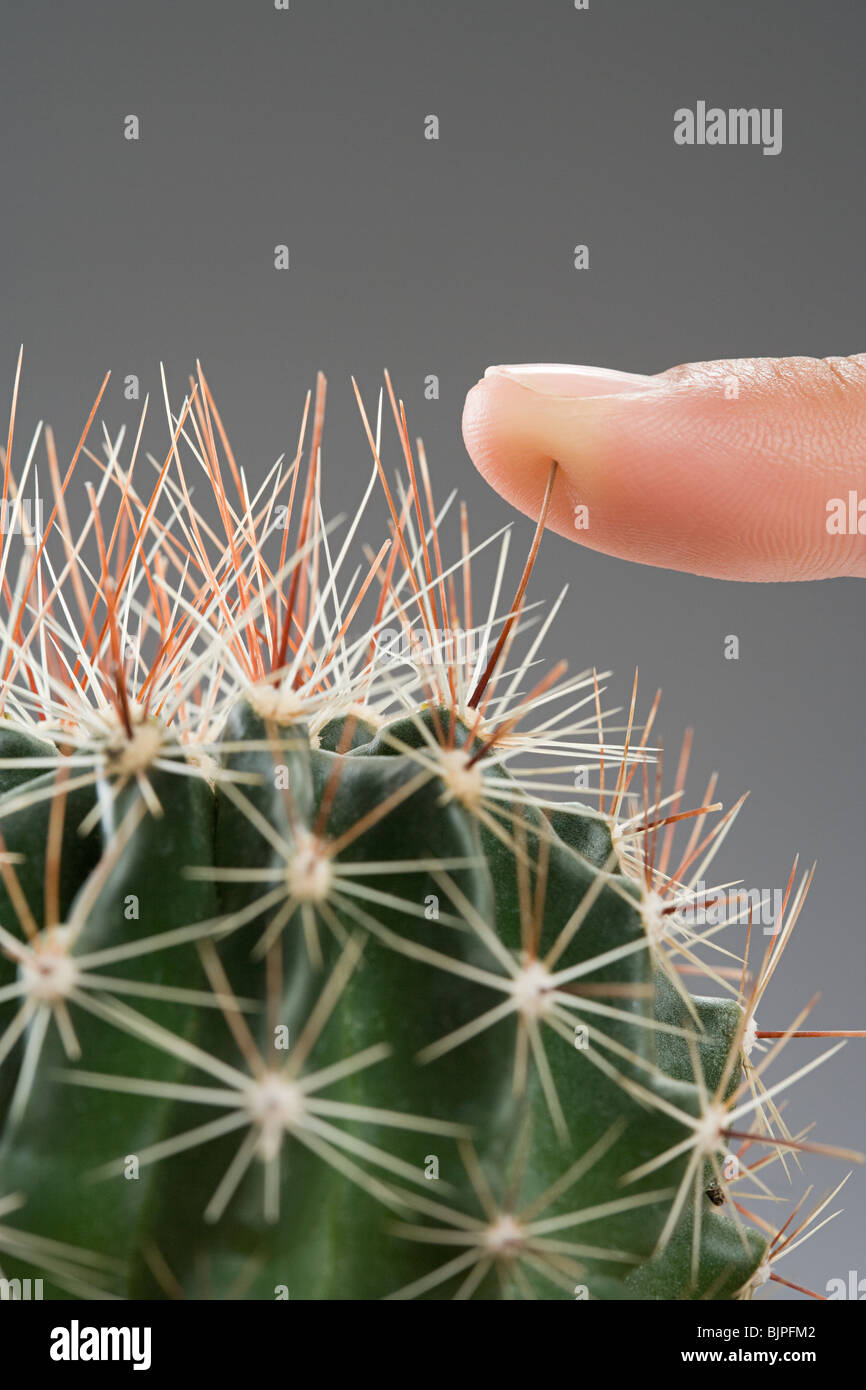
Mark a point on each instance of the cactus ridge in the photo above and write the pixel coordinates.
(316, 980)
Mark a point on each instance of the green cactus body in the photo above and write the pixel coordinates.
(460, 897)
(54, 1134)
(26, 783)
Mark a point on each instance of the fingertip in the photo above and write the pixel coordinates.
(501, 434)
(728, 469)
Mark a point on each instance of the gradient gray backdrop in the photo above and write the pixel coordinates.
(260, 127)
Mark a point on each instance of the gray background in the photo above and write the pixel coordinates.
(259, 127)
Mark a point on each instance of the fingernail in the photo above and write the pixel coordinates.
(560, 379)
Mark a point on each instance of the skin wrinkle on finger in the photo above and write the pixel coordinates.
(811, 388)
(679, 474)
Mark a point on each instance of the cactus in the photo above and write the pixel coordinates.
(316, 980)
